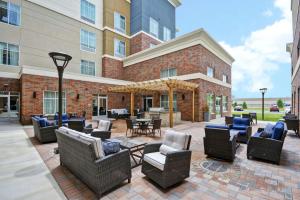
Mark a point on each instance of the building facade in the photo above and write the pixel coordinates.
(112, 42)
(294, 49)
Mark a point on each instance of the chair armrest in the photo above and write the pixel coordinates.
(87, 130)
(101, 134)
(153, 147)
(48, 129)
(267, 142)
(249, 131)
(178, 159)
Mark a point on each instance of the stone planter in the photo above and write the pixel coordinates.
(206, 116)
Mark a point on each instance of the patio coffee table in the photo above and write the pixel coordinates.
(135, 148)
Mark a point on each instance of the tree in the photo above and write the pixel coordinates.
(280, 103)
(234, 104)
(244, 105)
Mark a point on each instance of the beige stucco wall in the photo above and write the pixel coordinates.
(42, 31)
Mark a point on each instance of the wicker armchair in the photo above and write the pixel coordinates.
(156, 126)
(101, 175)
(169, 168)
(265, 148)
(43, 134)
(76, 124)
(133, 129)
(243, 126)
(219, 143)
(102, 131)
(228, 120)
(293, 124)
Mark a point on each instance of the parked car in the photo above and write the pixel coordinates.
(238, 108)
(274, 108)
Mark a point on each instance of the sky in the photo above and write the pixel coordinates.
(254, 32)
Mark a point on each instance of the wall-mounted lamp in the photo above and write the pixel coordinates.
(78, 96)
(34, 95)
(123, 98)
(183, 97)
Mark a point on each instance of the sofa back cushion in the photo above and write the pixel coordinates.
(96, 143)
(217, 134)
(103, 125)
(241, 121)
(176, 140)
(278, 131)
(164, 149)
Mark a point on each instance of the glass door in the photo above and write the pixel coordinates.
(218, 107)
(148, 103)
(4, 107)
(95, 106)
(102, 105)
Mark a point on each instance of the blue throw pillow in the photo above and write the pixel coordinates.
(43, 122)
(241, 121)
(278, 131)
(110, 147)
(216, 126)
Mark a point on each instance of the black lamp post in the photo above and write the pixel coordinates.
(263, 91)
(61, 61)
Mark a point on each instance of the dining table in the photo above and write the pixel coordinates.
(143, 125)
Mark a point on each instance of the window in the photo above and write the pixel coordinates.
(50, 102)
(210, 72)
(165, 73)
(87, 41)
(210, 102)
(120, 48)
(224, 78)
(120, 22)
(9, 13)
(88, 11)
(164, 102)
(88, 68)
(152, 45)
(9, 54)
(225, 103)
(167, 34)
(153, 27)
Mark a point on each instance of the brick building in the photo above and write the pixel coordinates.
(112, 42)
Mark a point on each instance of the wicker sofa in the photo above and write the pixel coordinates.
(165, 165)
(43, 131)
(267, 148)
(100, 174)
(219, 143)
(242, 125)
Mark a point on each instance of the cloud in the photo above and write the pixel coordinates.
(261, 53)
(267, 13)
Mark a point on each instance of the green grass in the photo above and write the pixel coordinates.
(274, 117)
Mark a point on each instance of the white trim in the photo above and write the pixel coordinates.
(112, 57)
(198, 37)
(147, 35)
(10, 75)
(73, 76)
(116, 31)
(296, 69)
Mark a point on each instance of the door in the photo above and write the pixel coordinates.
(148, 103)
(95, 106)
(218, 107)
(102, 105)
(4, 106)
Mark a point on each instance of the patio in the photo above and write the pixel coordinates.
(212, 179)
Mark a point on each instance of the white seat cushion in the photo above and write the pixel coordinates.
(176, 140)
(155, 159)
(96, 142)
(103, 125)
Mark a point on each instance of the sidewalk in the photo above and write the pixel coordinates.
(23, 174)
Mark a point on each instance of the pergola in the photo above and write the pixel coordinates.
(158, 86)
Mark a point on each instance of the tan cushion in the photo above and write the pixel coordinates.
(96, 142)
(164, 149)
(103, 125)
(176, 140)
(155, 159)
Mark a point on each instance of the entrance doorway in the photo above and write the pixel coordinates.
(99, 105)
(9, 105)
(148, 102)
(218, 107)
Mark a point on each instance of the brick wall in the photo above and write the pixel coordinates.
(141, 42)
(86, 91)
(9, 84)
(112, 68)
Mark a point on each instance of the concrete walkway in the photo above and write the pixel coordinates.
(23, 174)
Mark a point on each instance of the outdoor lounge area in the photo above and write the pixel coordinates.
(212, 178)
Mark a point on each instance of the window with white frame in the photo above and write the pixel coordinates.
(152, 45)
(224, 78)
(210, 72)
(10, 13)
(9, 54)
(164, 102)
(87, 41)
(153, 27)
(210, 102)
(88, 11)
(224, 103)
(165, 73)
(88, 68)
(120, 48)
(167, 34)
(50, 102)
(120, 22)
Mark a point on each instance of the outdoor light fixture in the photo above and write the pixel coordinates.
(263, 91)
(78, 96)
(61, 61)
(34, 95)
(183, 97)
(123, 98)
